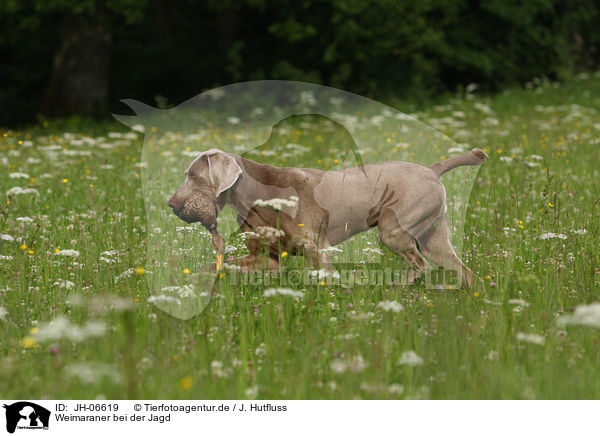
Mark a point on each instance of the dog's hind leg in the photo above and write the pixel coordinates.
(401, 242)
(436, 246)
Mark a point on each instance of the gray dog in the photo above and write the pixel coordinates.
(405, 201)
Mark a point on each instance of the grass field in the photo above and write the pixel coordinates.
(73, 246)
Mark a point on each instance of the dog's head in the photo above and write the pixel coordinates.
(206, 179)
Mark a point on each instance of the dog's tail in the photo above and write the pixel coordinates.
(474, 157)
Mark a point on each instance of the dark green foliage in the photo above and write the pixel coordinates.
(377, 48)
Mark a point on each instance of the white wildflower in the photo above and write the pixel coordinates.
(519, 302)
(249, 235)
(396, 389)
(489, 122)
(483, 108)
(270, 233)
(372, 387)
(532, 338)
(17, 190)
(119, 304)
(271, 292)
(127, 273)
(531, 164)
(588, 315)
(492, 355)
(3, 313)
(185, 291)
(361, 316)
(164, 299)
(579, 231)
(410, 358)
(277, 203)
(388, 306)
(252, 392)
(355, 364)
(331, 250)
(18, 175)
(551, 235)
(109, 253)
(62, 328)
(216, 368)
(261, 350)
(90, 373)
(298, 148)
(471, 88)
(65, 284)
(5, 237)
(67, 253)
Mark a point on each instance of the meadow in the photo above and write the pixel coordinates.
(79, 321)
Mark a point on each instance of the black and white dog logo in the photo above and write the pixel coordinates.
(26, 415)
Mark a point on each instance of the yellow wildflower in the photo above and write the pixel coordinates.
(28, 342)
(186, 383)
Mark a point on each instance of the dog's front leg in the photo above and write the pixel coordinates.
(316, 257)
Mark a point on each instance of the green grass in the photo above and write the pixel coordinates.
(334, 342)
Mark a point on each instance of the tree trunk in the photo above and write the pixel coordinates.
(79, 81)
(227, 21)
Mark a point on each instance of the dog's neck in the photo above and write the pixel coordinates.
(257, 182)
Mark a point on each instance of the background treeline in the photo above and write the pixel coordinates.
(78, 57)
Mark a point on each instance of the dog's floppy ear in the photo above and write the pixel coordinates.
(223, 170)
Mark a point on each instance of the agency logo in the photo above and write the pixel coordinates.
(361, 193)
(26, 415)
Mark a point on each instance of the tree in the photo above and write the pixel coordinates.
(78, 81)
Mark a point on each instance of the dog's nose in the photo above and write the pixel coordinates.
(172, 204)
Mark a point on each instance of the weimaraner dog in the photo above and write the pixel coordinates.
(405, 201)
